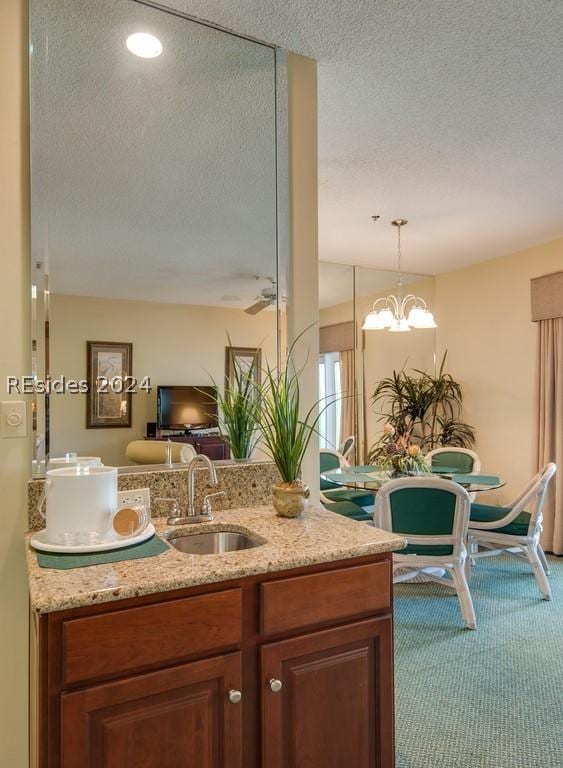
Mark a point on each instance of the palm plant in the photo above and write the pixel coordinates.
(424, 409)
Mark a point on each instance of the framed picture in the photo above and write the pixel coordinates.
(109, 375)
(243, 358)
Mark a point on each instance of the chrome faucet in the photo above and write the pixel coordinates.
(205, 515)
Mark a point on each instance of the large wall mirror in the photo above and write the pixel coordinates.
(352, 361)
(155, 202)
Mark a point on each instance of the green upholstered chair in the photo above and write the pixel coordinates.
(432, 514)
(333, 492)
(463, 460)
(515, 529)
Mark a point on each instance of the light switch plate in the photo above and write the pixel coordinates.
(13, 418)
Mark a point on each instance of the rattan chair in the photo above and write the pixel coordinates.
(432, 514)
(515, 529)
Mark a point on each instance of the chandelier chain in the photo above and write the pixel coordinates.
(393, 314)
(399, 259)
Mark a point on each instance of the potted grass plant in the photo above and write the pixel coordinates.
(239, 405)
(286, 434)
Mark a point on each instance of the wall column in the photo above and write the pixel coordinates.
(303, 271)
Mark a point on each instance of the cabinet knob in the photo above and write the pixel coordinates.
(235, 696)
(275, 685)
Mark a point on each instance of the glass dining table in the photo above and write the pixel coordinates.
(370, 478)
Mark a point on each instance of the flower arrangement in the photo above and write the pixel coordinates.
(396, 451)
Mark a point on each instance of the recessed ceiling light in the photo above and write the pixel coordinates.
(144, 45)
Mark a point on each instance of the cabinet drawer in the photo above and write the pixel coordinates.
(325, 597)
(136, 638)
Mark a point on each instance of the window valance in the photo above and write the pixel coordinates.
(336, 338)
(547, 296)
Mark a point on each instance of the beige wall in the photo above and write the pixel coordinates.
(15, 453)
(172, 344)
(483, 316)
(384, 351)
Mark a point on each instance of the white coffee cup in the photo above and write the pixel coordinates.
(81, 502)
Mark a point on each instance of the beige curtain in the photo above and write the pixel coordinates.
(348, 402)
(549, 426)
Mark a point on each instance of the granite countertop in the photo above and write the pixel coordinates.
(319, 536)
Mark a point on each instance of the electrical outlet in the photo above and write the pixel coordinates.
(136, 496)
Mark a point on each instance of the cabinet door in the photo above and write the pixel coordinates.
(335, 705)
(169, 719)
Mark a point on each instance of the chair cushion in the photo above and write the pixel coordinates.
(348, 509)
(463, 462)
(361, 498)
(422, 511)
(327, 462)
(427, 549)
(485, 513)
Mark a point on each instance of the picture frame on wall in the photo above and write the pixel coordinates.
(110, 384)
(244, 358)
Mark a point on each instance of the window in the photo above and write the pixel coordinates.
(330, 400)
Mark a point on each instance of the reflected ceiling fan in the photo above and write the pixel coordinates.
(267, 298)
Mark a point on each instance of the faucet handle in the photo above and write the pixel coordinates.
(175, 508)
(169, 500)
(206, 503)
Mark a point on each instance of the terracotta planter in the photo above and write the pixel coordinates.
(290, 499)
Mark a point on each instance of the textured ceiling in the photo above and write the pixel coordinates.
(336, 283)
(152, 179)
(446, 112)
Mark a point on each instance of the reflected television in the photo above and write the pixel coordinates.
(180, 407)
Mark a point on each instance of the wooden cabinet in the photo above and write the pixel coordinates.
(158, 719)
(326, 699)
(286, 670)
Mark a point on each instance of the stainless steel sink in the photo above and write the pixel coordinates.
(214, 542)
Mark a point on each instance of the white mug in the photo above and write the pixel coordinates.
(81, 503)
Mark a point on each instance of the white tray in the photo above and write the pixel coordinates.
(38, 541)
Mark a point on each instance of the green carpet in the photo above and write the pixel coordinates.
(491, 698)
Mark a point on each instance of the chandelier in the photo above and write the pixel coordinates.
(390, 313)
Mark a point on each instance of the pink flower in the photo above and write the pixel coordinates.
(388, 429)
